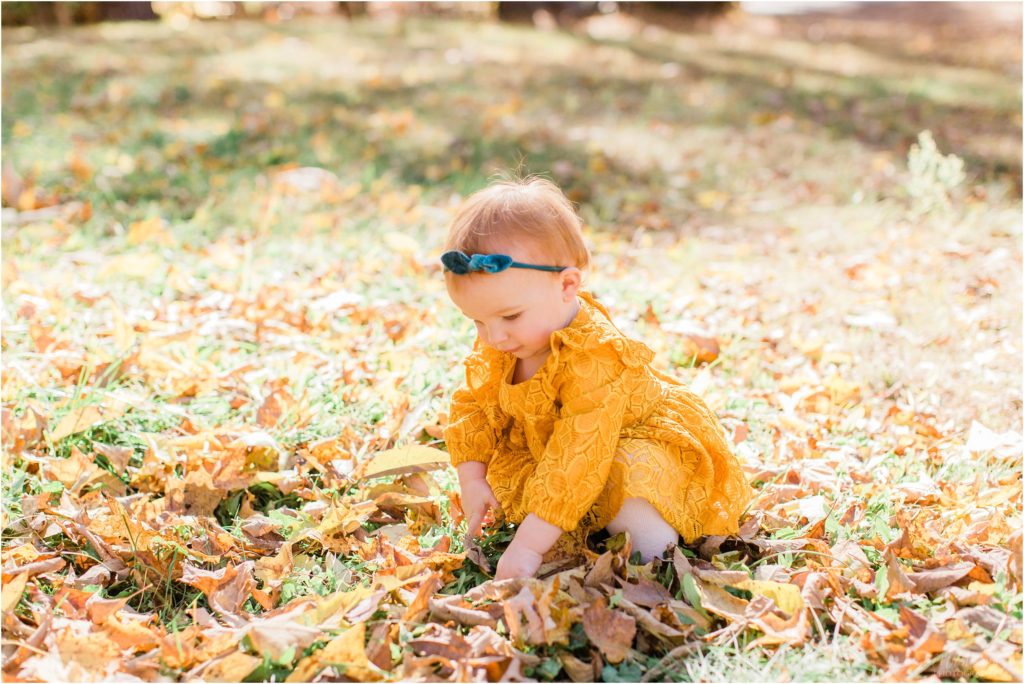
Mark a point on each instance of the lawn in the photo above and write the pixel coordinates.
(223, 310)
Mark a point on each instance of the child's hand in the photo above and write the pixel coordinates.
(518, 562)
(523, 556)
(477, 499)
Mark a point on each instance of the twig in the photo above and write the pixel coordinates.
(673, 656)
(12, 642)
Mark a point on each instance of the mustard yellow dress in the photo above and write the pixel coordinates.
(595, 425)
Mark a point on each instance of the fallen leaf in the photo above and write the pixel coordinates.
(408, 459)
(12, 591)
(611, 630)
(346, 650)
(786, 596)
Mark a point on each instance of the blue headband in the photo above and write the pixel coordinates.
(460, 263)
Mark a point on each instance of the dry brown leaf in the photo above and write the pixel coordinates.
(74, 472)
(22, 432)
(455, 608)
(84, 417)
(644, 592)
(131, 634)
(38, 567)
(281, 632)
(420, 605)
(276, 404)
(899, 584)
(716, 600)
(652, 624)
(343, 608)
(793, 630)
(272, 570)
(437, 640)
(578, 670)
(93, 651)
(195, 495)
(118, 456)
(933, 579)
(378, 647)
(226, 589)
(612, 631)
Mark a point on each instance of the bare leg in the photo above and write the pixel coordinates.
(648, 530)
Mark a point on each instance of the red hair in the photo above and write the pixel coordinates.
(531, 210)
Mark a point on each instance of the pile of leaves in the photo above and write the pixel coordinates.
(227, 356)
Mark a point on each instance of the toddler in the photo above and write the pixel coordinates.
(562, 421)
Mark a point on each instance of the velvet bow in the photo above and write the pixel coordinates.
(461, 263)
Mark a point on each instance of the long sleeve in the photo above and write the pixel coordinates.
(469, 435)
(577, 459)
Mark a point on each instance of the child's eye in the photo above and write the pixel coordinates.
(512, 317)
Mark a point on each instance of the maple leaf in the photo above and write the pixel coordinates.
(226, 589)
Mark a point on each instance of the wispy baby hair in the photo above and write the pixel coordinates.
(532, 210)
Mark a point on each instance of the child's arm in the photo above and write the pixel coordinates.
(575, 464)
(577, 458)
(477, 496)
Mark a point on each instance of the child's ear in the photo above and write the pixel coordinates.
(571, 281)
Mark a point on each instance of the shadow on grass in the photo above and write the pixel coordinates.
(455, 152)
(883, 117)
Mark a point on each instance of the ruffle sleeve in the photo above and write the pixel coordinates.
(475, 420)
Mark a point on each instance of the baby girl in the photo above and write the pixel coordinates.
(562, 421)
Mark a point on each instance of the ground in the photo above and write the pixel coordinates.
(222, 306)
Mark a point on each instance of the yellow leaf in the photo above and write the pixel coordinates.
(401, 243)
(76, 420)
(26, 553)
(79, 167)
(234, 667)
(408, 459)
(149, 230)
(712, 199)
(338, 604)
(348, 650)
(994, 672)
(982, 588)
(786, 596)
(143, 266)
(841, 390)
(11, 592)
(597, 164)
(27, 199)
(274, 100)
(956, 630)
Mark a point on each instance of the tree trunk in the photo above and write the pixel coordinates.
(563, 12)
(352, 10)
(123, 11)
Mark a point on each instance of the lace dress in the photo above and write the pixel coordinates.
(593, 426)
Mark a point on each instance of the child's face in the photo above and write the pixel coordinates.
(517, 310)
